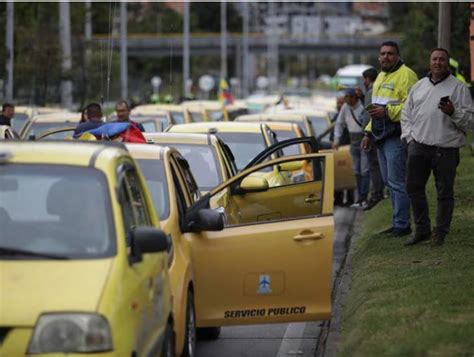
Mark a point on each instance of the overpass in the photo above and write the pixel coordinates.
(208, 44)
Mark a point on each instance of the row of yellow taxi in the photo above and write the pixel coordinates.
(140, 249)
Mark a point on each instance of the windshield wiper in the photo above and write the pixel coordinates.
(10, 251)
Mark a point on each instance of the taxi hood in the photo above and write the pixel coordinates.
(32, 287)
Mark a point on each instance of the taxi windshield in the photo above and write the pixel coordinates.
(244, 146)
(203, 163)
(216, 115)
(197, 117)
(54, 210)
(154, 174)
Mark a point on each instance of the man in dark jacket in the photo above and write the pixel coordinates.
(94, 120)
(8, 110)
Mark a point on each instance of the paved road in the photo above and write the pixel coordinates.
(294, 339)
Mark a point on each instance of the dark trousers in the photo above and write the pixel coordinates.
(376, 179)
(422, 159)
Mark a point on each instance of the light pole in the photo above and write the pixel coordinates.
(123, 50)
(10, 54)
(223, 39)
(65, 39)
(245, 50)
(186, 50)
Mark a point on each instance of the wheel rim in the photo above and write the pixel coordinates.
(191, 331)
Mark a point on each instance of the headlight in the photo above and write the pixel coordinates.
(71, 332)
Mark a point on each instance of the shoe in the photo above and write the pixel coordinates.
(372, 203)
(359, 205)
(437, 240)
(386, 231)
(417, 238)
(400, 232)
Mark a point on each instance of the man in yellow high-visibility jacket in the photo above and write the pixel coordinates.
(390, 91)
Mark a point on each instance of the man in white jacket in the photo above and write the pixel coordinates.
(434, 122)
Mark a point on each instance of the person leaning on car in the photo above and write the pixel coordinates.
(94, 120)
(389, 94)
(436, 116)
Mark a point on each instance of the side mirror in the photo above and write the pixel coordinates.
(147, 240)
(205, 219)
(291, 166)
(254, 184)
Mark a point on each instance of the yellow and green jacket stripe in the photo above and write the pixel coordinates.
(391, 90)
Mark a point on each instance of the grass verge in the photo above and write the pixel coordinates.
(419, 300)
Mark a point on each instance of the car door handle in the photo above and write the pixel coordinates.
(312, 198)
(308, 236)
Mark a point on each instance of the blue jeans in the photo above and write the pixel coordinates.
(360, 166)
(392, 155)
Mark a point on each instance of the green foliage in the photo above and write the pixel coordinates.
(418, 24)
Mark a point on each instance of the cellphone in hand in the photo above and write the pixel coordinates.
(444, 100)
(370, 106)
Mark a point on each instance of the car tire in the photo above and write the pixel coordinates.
(168, 349)
(208, 333)
(190, 336)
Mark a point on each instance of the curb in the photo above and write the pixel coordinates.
(331, 331)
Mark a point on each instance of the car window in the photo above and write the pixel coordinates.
(154, 173)
(285, 135)
(178, 117)
(188, 177)
(197, 117)
(204, 164)
(56, 209)
(244, 146)
(137, 198)
(37, 127)
(18, 120)
(305, 188)
(320, 124)
(216, 115)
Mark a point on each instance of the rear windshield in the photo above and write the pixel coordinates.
(178, 117)
(197, 117)
(154, 174)
(57, 210)
(244, 146)
(152, 123)
(215, 115)
(203, 163)
(37, 127)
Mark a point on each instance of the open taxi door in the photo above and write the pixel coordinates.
(269, 259)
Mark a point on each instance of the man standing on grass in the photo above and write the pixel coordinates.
(435, 119)
(389, 93)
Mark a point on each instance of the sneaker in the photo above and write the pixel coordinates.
(400, 232)
(437, 240)
(372, 203)
(359, 205)
(417, 238)
(386, 231)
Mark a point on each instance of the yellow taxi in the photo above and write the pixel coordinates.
(151, 119)
(178, 114)
(210, 159)
(7, 133)
(344, 175)
(83, 270)
(214, 110)
(288, 231)
(43, 122)
(24, 113)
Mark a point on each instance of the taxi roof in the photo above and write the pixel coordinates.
(221, 126)
(179, 138)
(30, 110)
(282, 126)
(280, 116)
(148, 111)
(78, 153)
(144, 151)
(154, 107)
(57, 117)
(207, 104)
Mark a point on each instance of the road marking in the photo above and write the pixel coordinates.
(290, 345)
